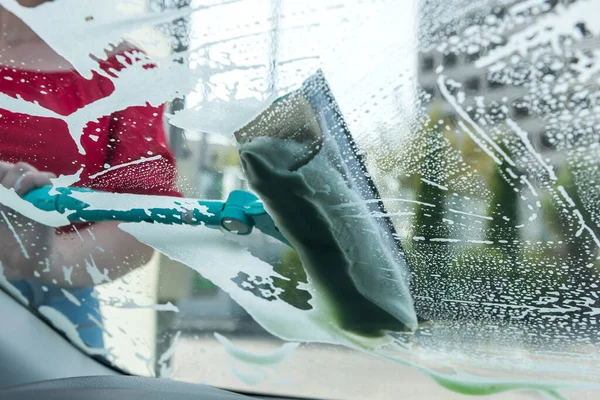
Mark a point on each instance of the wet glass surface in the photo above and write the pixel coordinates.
(439, 182)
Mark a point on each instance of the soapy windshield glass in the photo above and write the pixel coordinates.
(422, 178)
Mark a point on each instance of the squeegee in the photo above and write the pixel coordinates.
(314, 194)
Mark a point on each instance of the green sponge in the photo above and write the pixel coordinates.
(293, 162)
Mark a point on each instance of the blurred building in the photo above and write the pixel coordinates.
(482, 86)
(476, 82)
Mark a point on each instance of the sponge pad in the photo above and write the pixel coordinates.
(296, 167)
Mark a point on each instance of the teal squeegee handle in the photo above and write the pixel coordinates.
(239, 214)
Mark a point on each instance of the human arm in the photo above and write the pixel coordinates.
(79, 257)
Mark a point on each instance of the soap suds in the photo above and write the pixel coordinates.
(127, 164)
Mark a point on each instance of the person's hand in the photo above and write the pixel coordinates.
(24, 244)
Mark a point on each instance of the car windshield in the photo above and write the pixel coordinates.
(356, 199)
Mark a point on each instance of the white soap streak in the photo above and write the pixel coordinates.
(165, 370)
(79, 36)
(70, 297)
(97, 276)
(511, 173)
(593, 311)
(63, 324)
(525, 140)
(98, 323)
(446, 240)
(379, 214)
(13, 291)
(15, 234)
(392, 214)
(160, 85)
(529, 185)
(249, 376)
(544, 310)
(218, 116)
(77, 232)
(463, 114)
(164, 83)
(157, 307)
(11, 199)
(470, 214)
(497, 67)
(249, 357)
(385, 200)
(482, 145)
(65, 180)
(21, 106)
(524, 6)
(67, 272)
(126, 202)
(401, 200)
(584, 226)
(475, 241)
(437, 185)
(566, 196)
(551, 28)
(127, 164)
(47, 265)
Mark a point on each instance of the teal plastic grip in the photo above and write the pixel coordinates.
(234, 215)
(61, 200)
(239, 214)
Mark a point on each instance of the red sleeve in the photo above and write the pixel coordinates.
(139, 160)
